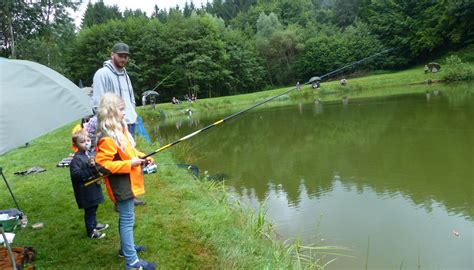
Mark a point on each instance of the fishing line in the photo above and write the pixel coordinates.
(310, 81)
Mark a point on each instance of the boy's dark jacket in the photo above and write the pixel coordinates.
(81, 170)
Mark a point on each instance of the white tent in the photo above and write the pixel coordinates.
(34, 100)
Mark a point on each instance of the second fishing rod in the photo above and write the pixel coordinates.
(310, 81)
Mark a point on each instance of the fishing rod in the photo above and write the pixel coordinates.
(313, 79)
(163, 80)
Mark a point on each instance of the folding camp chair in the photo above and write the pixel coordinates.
(5, 240)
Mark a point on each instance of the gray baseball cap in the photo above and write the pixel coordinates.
(120, 48)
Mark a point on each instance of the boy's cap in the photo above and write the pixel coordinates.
(120, 48)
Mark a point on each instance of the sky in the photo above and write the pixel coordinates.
(144, 5)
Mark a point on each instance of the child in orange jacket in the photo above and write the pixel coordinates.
(118, 158)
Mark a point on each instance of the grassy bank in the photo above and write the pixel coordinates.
(374, 85)
(188, 223)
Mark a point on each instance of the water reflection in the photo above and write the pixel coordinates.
(318, 107)
(397, 170)
(190, 121)
(345, 100)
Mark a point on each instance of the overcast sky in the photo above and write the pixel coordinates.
(144, 5)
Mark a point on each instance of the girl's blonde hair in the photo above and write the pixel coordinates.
(108, 114)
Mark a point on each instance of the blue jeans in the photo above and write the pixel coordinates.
(131, 129)
(126, 220)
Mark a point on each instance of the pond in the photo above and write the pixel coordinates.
(390, 178)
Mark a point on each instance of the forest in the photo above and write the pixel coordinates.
(229, 47)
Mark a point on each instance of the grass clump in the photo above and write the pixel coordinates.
(457, 70)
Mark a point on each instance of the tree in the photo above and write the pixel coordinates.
(329, 49)
(188, 9)
(99, 13)
(419, 28)
(295, 11)
(228, 9)
(199, 52)
(247, 71)
(93, 46)
(457, 21)
(40, 31)
(247, 20)
(160, 14)
(133, 13)
(278, 46)
(20, 20)
(266, 26)
(346, 12)
(57, 31)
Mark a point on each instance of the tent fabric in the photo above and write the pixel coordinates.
(34, 100)
(140, 129)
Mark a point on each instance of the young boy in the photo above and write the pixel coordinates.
(88, 198)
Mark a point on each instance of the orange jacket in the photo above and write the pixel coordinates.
(124, 182)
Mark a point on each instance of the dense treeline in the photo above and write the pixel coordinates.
(235, 46)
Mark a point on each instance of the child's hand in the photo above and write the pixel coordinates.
(137, 161)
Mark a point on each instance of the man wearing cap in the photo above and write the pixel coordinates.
(113, 77)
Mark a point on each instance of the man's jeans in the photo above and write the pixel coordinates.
(126, 220)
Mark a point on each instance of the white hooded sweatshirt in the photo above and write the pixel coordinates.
(110, 79)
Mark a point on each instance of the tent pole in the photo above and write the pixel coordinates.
(9, 189)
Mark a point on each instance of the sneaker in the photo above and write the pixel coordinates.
(137, 248)
(101, 227)
(97, 235)
(141, 265)
(137, 202)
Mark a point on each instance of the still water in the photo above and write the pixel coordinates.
(391, 178)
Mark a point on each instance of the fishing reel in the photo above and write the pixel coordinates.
(150, 168)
